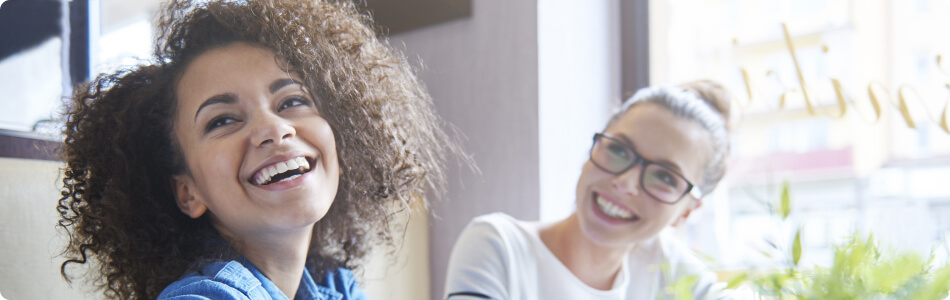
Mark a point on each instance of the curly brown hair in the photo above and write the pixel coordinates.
(117, 203)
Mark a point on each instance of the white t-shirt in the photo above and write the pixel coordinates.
(503, 258)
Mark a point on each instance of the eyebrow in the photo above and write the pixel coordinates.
(664, 162)
(227, 98)
(281, 83)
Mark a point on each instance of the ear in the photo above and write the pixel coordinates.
(186, 196)
(682, 218)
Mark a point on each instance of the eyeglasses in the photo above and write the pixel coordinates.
(658, 181)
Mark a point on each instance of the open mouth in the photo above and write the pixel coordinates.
(612, 210)
(282, 171)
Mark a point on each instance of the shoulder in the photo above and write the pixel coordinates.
(488, 258)
(341, 281)
(494, 219)
(501, 224)
(338, 277)
(497, 231)
(216, 280)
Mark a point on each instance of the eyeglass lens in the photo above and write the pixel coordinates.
(657, 180)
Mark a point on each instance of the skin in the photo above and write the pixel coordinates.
(238, 112)
(592, 245)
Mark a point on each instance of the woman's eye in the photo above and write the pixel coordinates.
(666, 178)
(218, 122)
(293, 102)
(617, 150)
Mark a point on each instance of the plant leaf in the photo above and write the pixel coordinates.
(786, 205)
(797, 247)
(737, 280)
(682, 288)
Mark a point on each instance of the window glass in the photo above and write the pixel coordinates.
(846, 173)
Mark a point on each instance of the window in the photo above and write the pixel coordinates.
(847, 172)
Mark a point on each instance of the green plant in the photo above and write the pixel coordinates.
(861, 269)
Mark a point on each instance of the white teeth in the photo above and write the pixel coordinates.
(302, 162)
(265, 174)
(272, 171)
(612, 210)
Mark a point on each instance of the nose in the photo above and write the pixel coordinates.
(271, 129)
(628, 182)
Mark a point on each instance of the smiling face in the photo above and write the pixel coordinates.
(260, 157)
(613, 210)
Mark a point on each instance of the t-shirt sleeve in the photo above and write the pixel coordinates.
(478, 264)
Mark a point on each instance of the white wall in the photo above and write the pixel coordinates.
(578, 80)
(29, 241)
(482, 72)
(404, 275)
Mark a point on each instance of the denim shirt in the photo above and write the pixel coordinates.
(239, 279)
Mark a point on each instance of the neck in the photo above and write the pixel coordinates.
(281, 257)
(595, 265)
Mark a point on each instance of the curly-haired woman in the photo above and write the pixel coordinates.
(260, 155)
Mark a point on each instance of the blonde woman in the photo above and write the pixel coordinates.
(648, 170)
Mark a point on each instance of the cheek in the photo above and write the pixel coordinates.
(217, 165)
(224, 164)
(590, 176)
(668, 214)
(324, 139)
(327, 139)
(582, 183)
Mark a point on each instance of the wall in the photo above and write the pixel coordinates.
(29, 240)
(404, 273)
(482, 73)
(579, 80)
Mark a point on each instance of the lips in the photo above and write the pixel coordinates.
(281, 171)
(613, 210)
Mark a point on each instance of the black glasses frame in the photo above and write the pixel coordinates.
(638, 159)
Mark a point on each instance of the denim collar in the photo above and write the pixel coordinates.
(308, 289)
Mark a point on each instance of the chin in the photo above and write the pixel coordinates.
(302, 216)
(594, 232)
